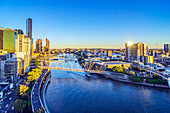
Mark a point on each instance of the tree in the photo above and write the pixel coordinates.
(36, 62)
(118, 69)
(33, 75)
(17, 92)
(19, 105)
(23, 89)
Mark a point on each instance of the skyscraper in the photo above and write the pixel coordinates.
(47, 45)
(134, 51)
(39, 46)
(167, 48)
(29, 27)
(29, 34)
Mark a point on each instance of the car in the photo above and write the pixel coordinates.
(6, 106)
(13, 108)
(9, 93)
(10, 98)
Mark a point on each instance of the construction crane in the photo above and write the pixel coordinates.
(157, 46)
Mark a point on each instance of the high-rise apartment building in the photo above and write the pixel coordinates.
(19, 41)
(27, 51)
(48, 45)
(134, 51)
(9, 36)
(39, 46)
(167, 48)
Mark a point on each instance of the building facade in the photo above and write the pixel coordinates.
(29, 34)
(47, 45)
(39, 46)
(167, 48)
(1, 38)
(9, 36)
(134, 51)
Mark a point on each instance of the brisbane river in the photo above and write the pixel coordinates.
(73, 92)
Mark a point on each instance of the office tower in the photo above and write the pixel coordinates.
(29, 27)
(167, 48)
(29, 34)
(47, 45)
(9, 36)
(1, 38)
(39, 46)
(134, 51)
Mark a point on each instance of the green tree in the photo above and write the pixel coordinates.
(118, 69)
(19, 105)
(17, 92)
(33, 75)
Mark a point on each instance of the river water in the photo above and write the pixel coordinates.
(73, 92)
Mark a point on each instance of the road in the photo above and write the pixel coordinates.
(6, 104)
(35, 92)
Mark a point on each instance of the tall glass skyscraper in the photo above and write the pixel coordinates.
(29, 34)
(29, 27)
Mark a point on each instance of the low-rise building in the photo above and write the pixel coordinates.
(111, 64)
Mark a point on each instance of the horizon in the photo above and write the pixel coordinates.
(91, 24)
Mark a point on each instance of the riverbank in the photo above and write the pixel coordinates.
(135, 83)
(44, 88)
(36, 102)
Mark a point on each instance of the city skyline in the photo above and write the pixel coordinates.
(90, 24)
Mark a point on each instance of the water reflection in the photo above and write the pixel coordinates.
(73, 92)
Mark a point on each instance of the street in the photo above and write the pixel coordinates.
(6, 105)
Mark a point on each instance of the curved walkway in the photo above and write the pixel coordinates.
(44, 91)
(36, 102)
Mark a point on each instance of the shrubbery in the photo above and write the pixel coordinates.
(135, 79)
(157, 81)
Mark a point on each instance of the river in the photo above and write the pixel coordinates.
(73, 92)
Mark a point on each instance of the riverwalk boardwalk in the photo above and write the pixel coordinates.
(35, 94)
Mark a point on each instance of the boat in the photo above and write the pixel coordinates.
(55, 59)
(88, 75)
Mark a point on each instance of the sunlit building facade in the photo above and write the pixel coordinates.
(134, 51)
(39, 46)
(9, 36)
(47, 45)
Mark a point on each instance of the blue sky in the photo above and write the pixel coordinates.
(91, 23)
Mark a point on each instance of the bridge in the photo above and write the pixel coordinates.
(60, 65)
(68, 65)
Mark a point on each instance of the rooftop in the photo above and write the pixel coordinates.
(113, 63)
